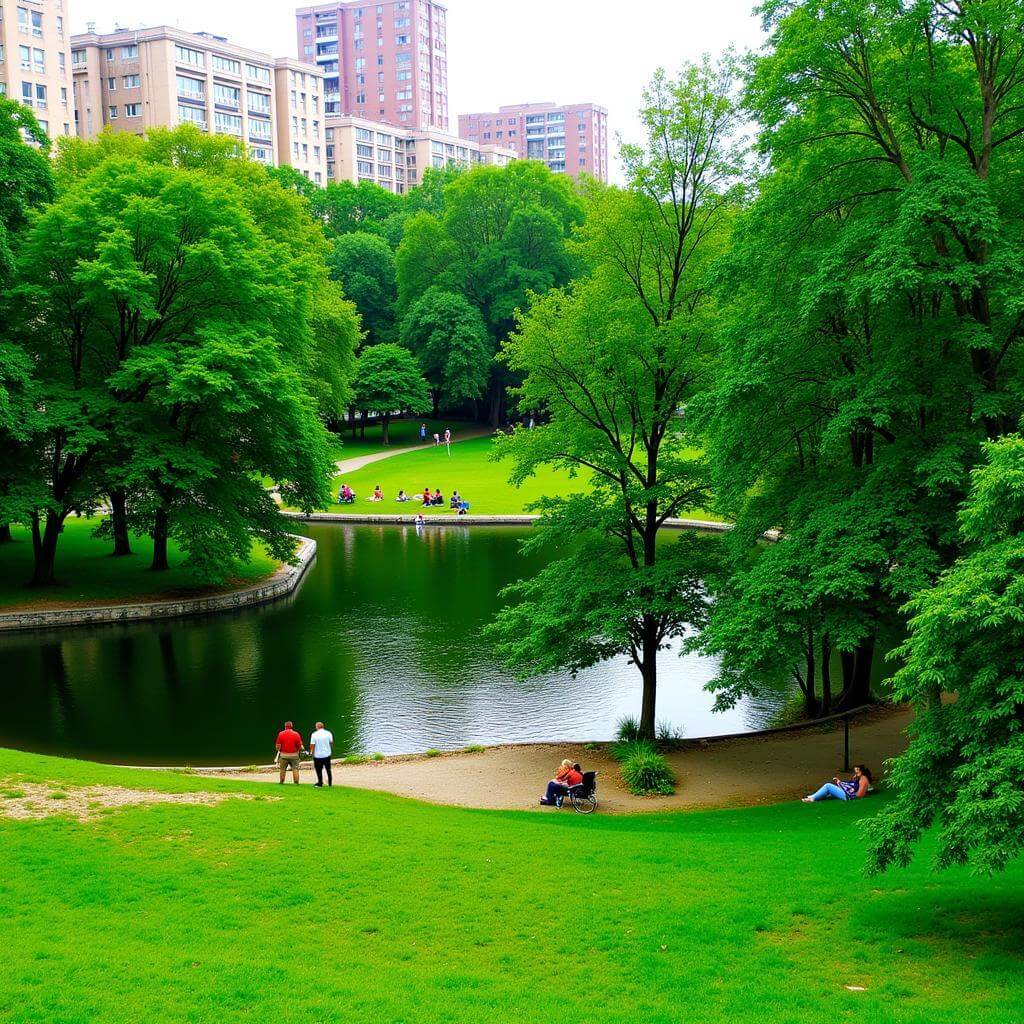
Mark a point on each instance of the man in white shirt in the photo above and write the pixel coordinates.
(321, 742)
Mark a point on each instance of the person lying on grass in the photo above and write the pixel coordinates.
(839, 789)
(402, 496)
(567, 775)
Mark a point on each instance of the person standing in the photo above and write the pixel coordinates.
(289, 748)
(437, 438)
(321, 743)
(447, 436)
(423, 433)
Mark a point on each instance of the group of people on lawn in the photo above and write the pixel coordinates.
(457, 504)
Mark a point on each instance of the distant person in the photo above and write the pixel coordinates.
(463, 507)
(423, 433)
(346, 496)
(402, 496)
(378, 494)
(426, 496)
(447, 436)
(438, 498)
(839, 789)
(419, 520)
(530, 425)
(321, 743)
(289, 749)
(567, 775)
(455, 500)
(437, 438)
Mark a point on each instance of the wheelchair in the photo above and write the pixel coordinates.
(583, 796)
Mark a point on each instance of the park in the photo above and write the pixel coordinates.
(697, 693)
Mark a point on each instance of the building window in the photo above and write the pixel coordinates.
(112, 85)
(257, 74)
(220, 63)
(225, 95)
(186, 55)
(112, 113)
(259, 102)
(227, 124)
(129, 52)
(131, 81)
(133, 110)
(192, 115)
(191, 88)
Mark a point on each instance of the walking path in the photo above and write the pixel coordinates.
(730, 773)
(358, 461)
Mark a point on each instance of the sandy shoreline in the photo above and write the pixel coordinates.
(745, 771)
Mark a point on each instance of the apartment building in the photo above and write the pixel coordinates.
(136, 79)
(395, 157)
(35, 61)
(381, 62)
(300, 117)
(570, 139)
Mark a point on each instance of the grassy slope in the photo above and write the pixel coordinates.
(86, 572)
(483, 483)
(353, 906)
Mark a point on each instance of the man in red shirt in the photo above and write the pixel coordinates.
(289, 746)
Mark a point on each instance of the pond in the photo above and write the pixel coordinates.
(382, 641)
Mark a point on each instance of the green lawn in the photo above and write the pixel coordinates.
(343, 905)
(402, 434)
(483, 483)
(87, 572)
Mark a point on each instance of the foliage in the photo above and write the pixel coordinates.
(364, 265)
(964, 766)
(447, 335)
(611, 362)
(388, 379)
(647, 773)
(627, 730)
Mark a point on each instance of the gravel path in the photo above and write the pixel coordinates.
(358, 461)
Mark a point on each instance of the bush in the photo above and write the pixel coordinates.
(378, 756)
(647, 773)
(354, 759)
(432, 752)
(623, 750)
(667, 732)
(628, 730)
(474, 748)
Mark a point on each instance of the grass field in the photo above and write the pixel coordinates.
(401, 433)
(483, 483)
(343, 905)
(87, 572)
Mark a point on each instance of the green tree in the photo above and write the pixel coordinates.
(364, 265)
(448, 337)
(612, 361)
(388, 380)
(170, 343)
(344, 206)
(965, 762)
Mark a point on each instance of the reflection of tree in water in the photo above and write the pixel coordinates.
(55, 676)
(169, 661)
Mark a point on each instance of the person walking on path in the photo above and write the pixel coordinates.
(289, 747)
(423, 433)
(321, 742)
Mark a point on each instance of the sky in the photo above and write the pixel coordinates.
(499, 51)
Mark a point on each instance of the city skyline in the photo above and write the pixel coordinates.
(499, 58)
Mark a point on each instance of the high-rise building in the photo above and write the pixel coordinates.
(133, 80)
(572, 139)
(381, 62)
(396, 157)
(35, 61)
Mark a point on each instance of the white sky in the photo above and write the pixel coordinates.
(499, 51)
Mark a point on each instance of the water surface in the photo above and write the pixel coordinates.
(382, 641)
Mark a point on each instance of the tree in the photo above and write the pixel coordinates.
(965, 762)
(27, 183)
(388, 379)
(171, 336)
(448, 337)
(364, 265)
(871, 322)
(612, 361)
(343, 206)
(499, 236)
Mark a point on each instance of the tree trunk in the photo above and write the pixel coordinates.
(352, 419)
(119, 522)
(826, 676)
(44, 549)
(160, 525)
(649, 673)
(362, 425)
(5, 533)
(384, 421)
(810, 697)
(857, 675)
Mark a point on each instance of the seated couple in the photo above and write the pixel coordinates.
(437, 498)
(346, 496)
(839, 789)
(568, 775)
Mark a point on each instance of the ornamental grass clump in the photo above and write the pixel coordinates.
(644, 770)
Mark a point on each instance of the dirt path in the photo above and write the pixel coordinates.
(731, 773)
(358, 461)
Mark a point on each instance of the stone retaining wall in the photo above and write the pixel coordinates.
(471, 520)
(283, 582)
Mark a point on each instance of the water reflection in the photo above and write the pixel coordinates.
(382, 641)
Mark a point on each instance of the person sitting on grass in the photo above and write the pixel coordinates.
(463, 507)
(346, 496)
(378, 494)
(567, 775)
(840, 789)
(402, 496)
(438, 498)
(426, 496)
(455, 499)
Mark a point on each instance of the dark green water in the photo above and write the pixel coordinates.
(382, 642)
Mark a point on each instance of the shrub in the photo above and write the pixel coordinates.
(433, 753)
(667, 732)
(377, 756)
(646, 773)
(623, 750)
(628, 730)
(354, 759)
(474, 748)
